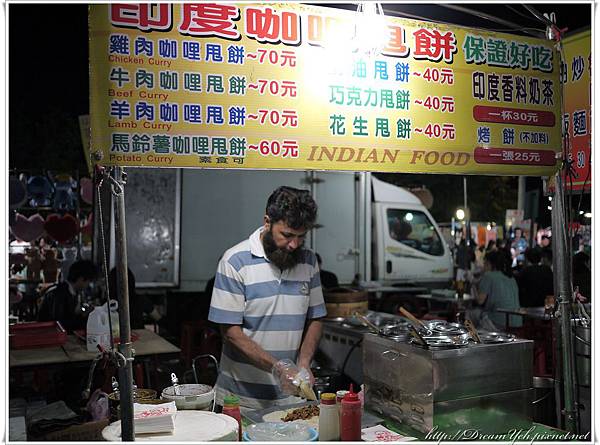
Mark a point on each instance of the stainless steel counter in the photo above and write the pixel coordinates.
(425, 388)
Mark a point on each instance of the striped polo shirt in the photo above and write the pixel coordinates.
(272, 307)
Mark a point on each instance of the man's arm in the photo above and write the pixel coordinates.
(481, 290)
(310, 342)
(252, 350)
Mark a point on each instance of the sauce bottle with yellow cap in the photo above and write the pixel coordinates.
(329, 421)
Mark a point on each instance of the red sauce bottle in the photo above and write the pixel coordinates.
(350, 418)
(231, 407)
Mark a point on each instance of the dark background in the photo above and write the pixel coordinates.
(49, 89)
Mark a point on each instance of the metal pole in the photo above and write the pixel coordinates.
(313, 193)
(357, 221)
(467, 213)
(521, 193)
(125, 371)
(368, 226)
(562, 270)
(491, 18)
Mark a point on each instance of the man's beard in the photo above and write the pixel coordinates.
(282, 258)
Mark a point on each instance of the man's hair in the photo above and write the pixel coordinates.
(547, 255)
(533, 256)
(82, 268)
(497, 260)
(294, 207)
(580, 260)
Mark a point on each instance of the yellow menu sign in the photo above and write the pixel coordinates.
(289, 86)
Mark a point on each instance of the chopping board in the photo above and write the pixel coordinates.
(368, 419)
(190, 426)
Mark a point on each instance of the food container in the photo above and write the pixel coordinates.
(495, 337)
(343, 302)
(279, 432)
(140, 395)
(190, 396)
(37, 335)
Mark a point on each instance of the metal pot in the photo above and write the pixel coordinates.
(190, 396)
(138, 394)
(495, 337)
(544, 405)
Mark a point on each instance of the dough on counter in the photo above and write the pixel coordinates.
(276, 416)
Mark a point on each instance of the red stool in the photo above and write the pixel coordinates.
(197, 338)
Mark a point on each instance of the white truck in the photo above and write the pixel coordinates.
(367, 229)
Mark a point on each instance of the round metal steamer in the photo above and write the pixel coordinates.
(441, 342)
(440, 334)
(190, 396)
(496, 337)
(397, 332)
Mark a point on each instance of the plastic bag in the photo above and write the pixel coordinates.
(97, 406)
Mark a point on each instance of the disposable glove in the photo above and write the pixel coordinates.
(285, 372)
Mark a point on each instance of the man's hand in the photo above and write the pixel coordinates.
(306, 368)
(285, 371)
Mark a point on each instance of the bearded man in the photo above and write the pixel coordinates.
(268, 300)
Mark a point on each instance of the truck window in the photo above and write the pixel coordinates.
(414, 229)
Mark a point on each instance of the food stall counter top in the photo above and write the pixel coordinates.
(74, 350)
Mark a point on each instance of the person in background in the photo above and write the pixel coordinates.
(546, 242)
(60, 302)
(507, 253)
(519, 244)
(496, 289)
(479, 255)
(328, 279)
(547, 258)
(268, 300)
(582, 276)
(138, 304)
(465, 256)
(536, 280)
(491, 245)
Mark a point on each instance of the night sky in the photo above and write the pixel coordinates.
(48, 71)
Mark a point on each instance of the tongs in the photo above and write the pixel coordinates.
(414, 332)
(472, 331)
(416, 324)
(368, 323)
(414, 320)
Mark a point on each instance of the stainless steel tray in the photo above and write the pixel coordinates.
(368, 419)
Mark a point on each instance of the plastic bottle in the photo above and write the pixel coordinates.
(339, 396)
(97, 332)
(329, 421)
(351, 418)
(231, 407)
(338, 399)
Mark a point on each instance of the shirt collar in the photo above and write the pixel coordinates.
(256, 245)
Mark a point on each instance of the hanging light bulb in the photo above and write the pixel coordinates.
(371, 34)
